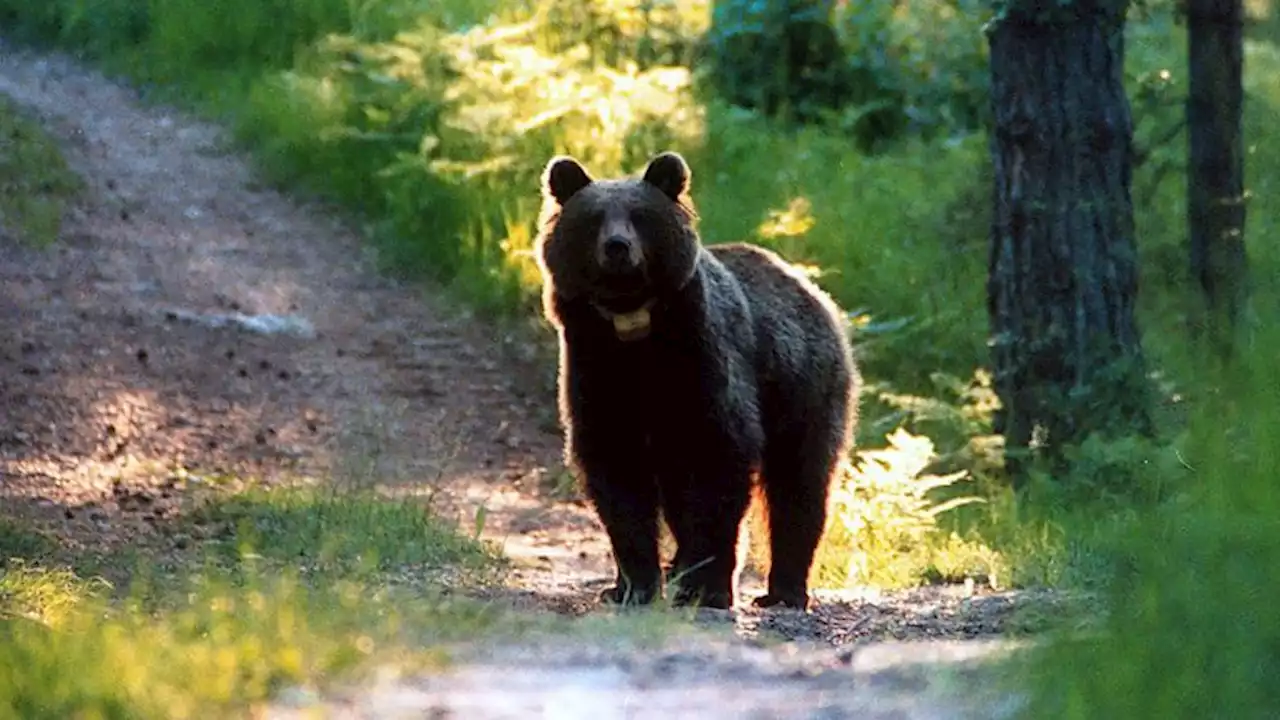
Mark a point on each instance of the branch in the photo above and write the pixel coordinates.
(1142, 155)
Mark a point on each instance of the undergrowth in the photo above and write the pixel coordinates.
(323, 532)
(214, 653)
(298, 590)
(887, 532)
(1190, 629)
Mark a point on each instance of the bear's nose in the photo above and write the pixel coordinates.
(616, 250)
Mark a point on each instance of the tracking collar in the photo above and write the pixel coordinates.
(630, 326)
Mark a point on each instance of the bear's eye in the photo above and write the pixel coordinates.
(646, 220)
(584, 223)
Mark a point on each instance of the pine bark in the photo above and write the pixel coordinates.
(1063, 275)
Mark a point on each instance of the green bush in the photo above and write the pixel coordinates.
(886, 531)
(931, 56)
(439, 137)
(872, 71)
(783, 56)
(619, 32)
(1191, 629)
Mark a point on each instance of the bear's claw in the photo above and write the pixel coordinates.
(690, 597)
(618, 595)
(798, 602)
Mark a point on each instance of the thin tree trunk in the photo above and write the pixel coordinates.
(1063, 274)
(1215, 186)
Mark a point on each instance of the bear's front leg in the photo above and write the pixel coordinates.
(628, 508)
(705, 506)
(625, 494)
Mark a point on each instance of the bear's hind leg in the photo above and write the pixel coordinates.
(797, 473)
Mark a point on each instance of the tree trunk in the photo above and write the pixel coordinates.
(1063, 275)
(1215, 185)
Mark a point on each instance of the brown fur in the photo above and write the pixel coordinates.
(684, 372)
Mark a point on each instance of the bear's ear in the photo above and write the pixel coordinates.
(564, 177)
(669, 173)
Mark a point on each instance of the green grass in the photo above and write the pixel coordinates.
(215, 651)
(35, 182)
(43, 595)
(1191, 629)
(18, 542)
(332, 532)
(295, 588)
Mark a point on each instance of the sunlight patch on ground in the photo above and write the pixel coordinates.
(124, 419)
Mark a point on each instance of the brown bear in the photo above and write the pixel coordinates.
(687, 374)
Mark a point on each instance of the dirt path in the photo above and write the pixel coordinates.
(690, 679)
(115, 373)
(192, 323)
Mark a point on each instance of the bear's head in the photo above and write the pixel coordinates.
(619, 243)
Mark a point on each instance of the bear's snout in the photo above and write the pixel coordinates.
(619, 254)
(617, 251)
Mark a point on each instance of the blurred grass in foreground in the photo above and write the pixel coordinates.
(1191, 629)
(300, 588)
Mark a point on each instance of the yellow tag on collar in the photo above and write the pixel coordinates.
(632, 325)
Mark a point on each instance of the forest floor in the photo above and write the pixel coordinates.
(192, 322)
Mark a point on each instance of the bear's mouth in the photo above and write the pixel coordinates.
(622, 304)
(621, 292)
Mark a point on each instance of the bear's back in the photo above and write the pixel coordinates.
(774, 287)
(799, 329)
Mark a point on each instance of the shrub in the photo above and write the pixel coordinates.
(877, 71)
(931, 57)
(885, 531)
(1191, 630)
(440, 137)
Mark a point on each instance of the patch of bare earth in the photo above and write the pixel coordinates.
(129, 361)
(137, 365)
(691, 677)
